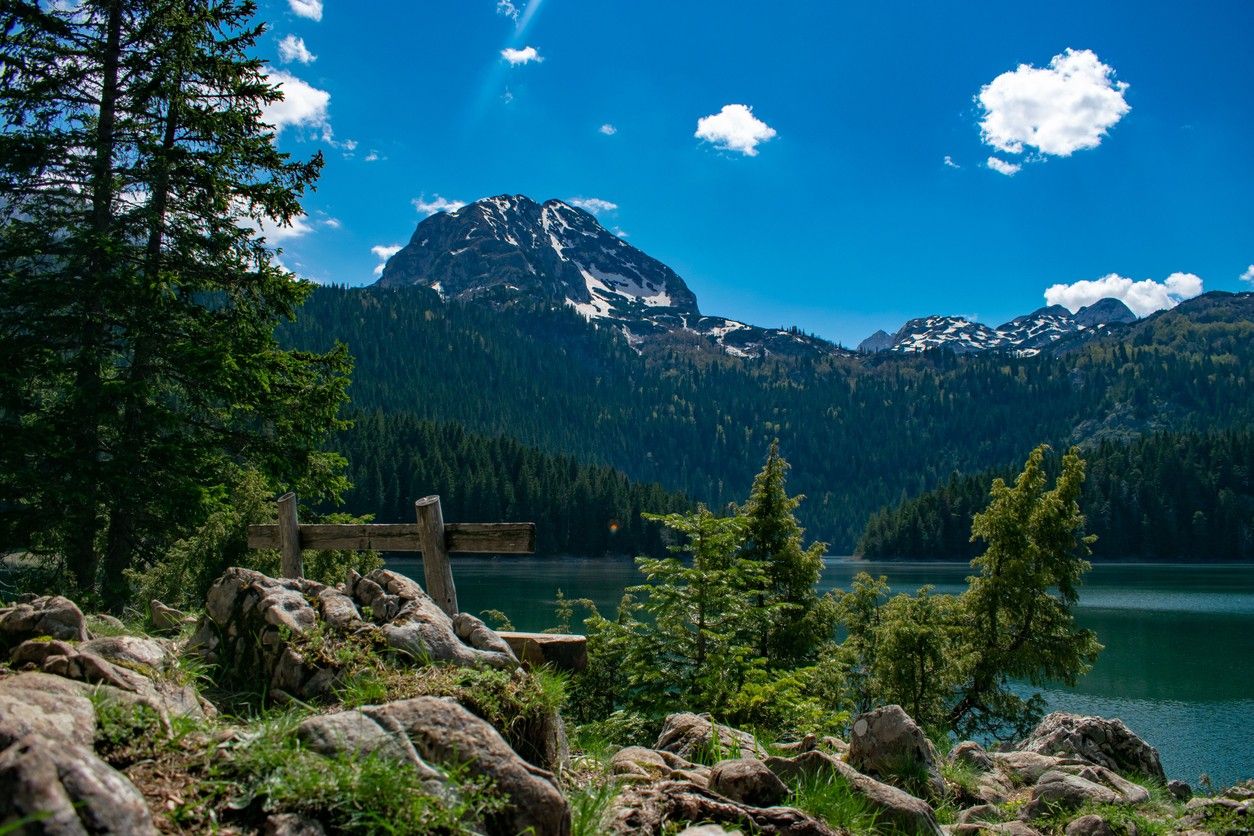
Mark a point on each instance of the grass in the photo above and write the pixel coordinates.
(589, 806)
(962, 775)
(1122, 818)
(830, 798)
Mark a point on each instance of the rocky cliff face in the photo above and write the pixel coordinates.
(506, 249)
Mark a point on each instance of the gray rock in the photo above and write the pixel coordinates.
(693, 735)
(893, 806)
(149, 655)
(1107, 743)
(167, 619)
(1024, 768)
(69, 791)
(1094, 825)
(708, 830)
(1006, 828)
(293, 824)
(636, 764)
(749, 781)
(979, 813)
(26, 709)
(649, 808)
(1070, 789)
(48, 615)
(887, 744)
(1180, 790)
(33, 652)
(165, 696)
(973, 755)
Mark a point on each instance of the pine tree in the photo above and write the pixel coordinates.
(135, 171)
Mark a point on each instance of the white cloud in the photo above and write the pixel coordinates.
(302, 105)
(507, 8)
(1002, 167)
(1143, 297)
(521, 56)
(608, 129)
(311, 9)
(384, 253)
(949, 162)
(1057, 110)
(1248, 275)
(332, 223)
(292, 48)
(372, 156)
(275, 233)
(436, 204)
(595, 205)
(735, 128)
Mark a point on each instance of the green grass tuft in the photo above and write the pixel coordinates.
(832, 799)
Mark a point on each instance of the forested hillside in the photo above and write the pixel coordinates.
(578, 509)
(1161, 497)
(861, 433)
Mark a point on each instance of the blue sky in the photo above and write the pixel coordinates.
(829, 204)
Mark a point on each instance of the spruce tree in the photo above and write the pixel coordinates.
(137, 298)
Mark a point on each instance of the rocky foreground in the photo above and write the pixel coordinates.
(290, 707)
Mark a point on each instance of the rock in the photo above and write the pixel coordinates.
(835, 744)
(32, 652)
(356, 733)
(112, 622)
(979, 813)
(1235, 805)
(164, 696)
(893, 806)
(1094, 825)
(443, 731)
(973, 755)
(167, 619)
(637, 764)
(806, 744)
(293, 824)
(26, 708)
(887, 744)
(133, 651)
(1180, 790)
(69, 790)
(1107, 743)
(1023, 768)
(48, 615)
(1007, 828)
(749, 781)
(696, 735)
(708, 830)
(563, 652)
(1061, 789)
(647, 808)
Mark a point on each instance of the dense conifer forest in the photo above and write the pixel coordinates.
(862, 433)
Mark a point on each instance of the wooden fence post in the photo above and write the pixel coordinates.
(435, 562)
(289, 538)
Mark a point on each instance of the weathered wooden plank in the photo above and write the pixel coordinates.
(289, 538)
(437, 572)
(564, 651)
(480, 538)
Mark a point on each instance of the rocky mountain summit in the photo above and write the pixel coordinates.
(508, 249)
(1044, 328)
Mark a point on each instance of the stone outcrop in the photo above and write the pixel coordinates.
(973, 755)
(636, 764)
(34, 704)
(1107, 743)
(1071, 787)
(255, 625)
(747, 780)
(63, 789)
(887, 744)
(428, 730)
(50, 616)
(693, 735)
(647, 808)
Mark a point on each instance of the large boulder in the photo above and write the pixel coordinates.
(892, 806)
(260, 628)
(650, 808)
(428, 730)
(1071, 787)
(30, 704)
(971, 754)
(50, 616)
(747, 780)
(1024, 768)
(1107, 743)
(887, 744)
(636, 764)
(62, 789)
(695, 736)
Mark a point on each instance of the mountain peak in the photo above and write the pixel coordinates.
(509, 248)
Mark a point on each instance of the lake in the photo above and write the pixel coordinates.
(1178, 666)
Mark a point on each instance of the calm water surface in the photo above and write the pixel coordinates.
(1178, 666)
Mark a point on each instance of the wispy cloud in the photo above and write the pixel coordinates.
(1002, 167)
(1143, 297)
(1056, 110)
(276, 233)
(526, 55)
(373, 156)
(507, 8)
(383, 253)
(595, 205)
(608, 129)
(735, 128)
(292, 48)
(436, 204)
(311, 9)
(949, 162)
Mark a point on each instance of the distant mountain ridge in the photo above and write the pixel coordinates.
(1044, 328)
(509, 248)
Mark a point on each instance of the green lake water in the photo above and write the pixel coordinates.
(1178, 666)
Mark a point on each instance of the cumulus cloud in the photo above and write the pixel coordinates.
(1143, 297)
(302, 105)
(1056, 110)
(292, 48)
(735, 128)
(521, 56)
(608, 129)
(311, 9)
(384, 253)
(1002, 167)
(949, 162)
(436, 204)
(1248, 275)
(595, 205)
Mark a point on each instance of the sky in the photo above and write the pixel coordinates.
(840, 167)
